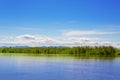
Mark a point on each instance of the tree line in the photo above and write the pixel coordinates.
(83, 51)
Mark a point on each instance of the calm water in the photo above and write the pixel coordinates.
(58, 68)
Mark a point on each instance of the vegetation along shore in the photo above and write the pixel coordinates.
(80, 51)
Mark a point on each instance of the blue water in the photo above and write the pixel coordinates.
(58, 68)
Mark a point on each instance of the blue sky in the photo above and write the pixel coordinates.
(59, 19)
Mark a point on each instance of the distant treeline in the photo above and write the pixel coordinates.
(87, 51)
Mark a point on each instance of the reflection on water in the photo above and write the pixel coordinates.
(59, 68)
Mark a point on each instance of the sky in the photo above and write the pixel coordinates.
(59, 23)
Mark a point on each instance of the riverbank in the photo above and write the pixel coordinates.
(76, 51)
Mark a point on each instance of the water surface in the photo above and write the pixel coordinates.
(58, 68)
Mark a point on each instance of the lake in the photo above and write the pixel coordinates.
(58, 68)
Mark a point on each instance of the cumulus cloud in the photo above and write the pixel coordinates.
(29, 37)
(36, 40)
(69, 39)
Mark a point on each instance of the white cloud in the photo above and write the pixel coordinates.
(36, 40)
(70, 39)
(26, 37)
(81, 39)
(79, 33)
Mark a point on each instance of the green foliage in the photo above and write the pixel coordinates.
(81, 51)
